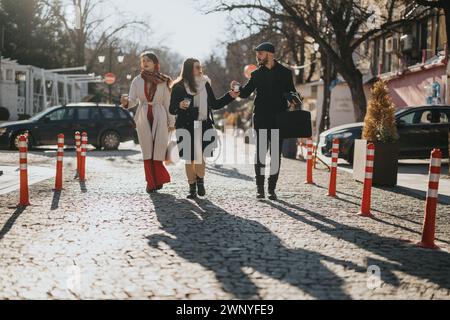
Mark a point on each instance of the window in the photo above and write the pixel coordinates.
(433, 116)
(425, 117)
(70, 114)
(95, 114)
(409, 118)
(109, 113)
(83, 114)
(57, 115)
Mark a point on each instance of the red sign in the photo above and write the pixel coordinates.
(110, 78)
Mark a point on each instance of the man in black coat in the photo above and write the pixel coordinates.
(271, 81)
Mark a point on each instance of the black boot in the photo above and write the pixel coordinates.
(261, 194)
(272, 187)
(192, 191)
(201, 187)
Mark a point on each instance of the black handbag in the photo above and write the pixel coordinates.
(295, 124)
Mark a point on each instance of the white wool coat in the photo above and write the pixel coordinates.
(153, 141)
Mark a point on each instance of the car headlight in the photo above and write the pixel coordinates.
(3, 131)
(343, 135)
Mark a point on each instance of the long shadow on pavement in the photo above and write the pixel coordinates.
(229, 173)
(8, 225)
(55, 200)
(206, 234)
(431, 265)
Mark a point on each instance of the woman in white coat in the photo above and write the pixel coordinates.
(151, 92)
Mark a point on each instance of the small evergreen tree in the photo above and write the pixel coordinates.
(380, 124)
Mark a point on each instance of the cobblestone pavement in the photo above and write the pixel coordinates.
(108, 239)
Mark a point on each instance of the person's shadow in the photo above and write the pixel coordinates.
(399, 255)
(206, 234)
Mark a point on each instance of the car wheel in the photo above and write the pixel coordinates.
(110, 140)
(14, 144)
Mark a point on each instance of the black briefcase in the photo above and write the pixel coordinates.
(295, 124)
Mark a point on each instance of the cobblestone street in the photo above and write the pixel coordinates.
(108, 239)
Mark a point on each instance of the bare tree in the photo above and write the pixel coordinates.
(93, 29)
(345, 20)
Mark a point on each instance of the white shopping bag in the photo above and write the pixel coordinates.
(172, 154)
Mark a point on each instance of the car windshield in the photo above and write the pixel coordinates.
(43, 113)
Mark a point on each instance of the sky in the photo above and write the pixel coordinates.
(180, 24)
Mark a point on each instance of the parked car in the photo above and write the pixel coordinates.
(421, 129)
(106, 125)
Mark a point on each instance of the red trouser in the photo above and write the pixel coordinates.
(155, 172)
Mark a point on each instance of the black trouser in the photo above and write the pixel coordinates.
(268, 140)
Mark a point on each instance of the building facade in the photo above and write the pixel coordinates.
(28, 90)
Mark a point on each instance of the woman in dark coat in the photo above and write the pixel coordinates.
(192, 102)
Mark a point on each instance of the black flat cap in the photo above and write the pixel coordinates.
(266, 46)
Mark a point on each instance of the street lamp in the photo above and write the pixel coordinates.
(129, 76)
(102, 59)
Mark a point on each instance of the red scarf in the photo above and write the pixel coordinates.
(152, 79)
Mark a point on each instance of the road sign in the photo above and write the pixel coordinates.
(110, 78)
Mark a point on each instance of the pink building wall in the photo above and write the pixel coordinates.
(409, 89)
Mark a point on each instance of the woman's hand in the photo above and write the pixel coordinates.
(172, 129)
(233, 84)
(234, 94)
(184, 105)
(124, 101)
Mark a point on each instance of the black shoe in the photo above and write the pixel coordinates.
(192, 191)
(272, 187)
(261, 194)
(151, 191)
(201, 187)
(273, 196)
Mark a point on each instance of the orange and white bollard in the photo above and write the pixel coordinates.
(334, 166)
(23, 150)
(309, 162)
(84, 141)
(59, 164)
(78, 150)
(367, 195)
(429, 225)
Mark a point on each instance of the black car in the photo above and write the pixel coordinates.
(421, 129)
(106, 125)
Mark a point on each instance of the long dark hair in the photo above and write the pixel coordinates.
(187, 74)
(152, 57)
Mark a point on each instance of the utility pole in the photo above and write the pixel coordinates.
(110, 70)
(2, 48)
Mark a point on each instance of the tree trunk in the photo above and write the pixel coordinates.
(325, 116)
(351, 74)
(356, 86)
(329, 75)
